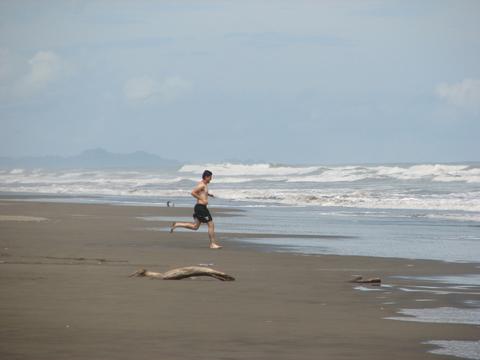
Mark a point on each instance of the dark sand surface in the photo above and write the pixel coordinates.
(65, 294)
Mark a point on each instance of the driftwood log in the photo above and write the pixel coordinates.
(361, 280)
(184, 272)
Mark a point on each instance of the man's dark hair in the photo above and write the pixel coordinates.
(206, 173)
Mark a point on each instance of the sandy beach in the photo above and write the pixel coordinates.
(66, 293)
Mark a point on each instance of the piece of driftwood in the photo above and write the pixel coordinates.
(361, 280)
(184, 272)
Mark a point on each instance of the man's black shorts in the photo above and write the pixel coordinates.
(201, 213)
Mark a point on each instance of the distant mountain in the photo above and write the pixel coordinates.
(91, 159)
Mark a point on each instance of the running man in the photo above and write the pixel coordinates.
(201, 213)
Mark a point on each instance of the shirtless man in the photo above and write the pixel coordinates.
(201, 213)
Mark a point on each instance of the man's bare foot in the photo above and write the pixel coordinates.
(172, 227)
(215, 246)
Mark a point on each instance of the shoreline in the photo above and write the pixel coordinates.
(66, 279)
(256, 239)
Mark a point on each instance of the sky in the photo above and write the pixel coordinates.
(267, 81)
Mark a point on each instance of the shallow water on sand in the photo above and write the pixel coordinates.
(386, 234)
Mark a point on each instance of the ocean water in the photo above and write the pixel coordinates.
(419, 211)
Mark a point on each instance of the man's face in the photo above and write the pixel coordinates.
(207, 179)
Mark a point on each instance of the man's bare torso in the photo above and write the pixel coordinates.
(202, 191)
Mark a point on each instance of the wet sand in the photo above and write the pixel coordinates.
(66, 294)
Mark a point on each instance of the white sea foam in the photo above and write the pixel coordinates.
(307, 197)
(356, 198)
(440, 173)
(448, 315)
(321, 174)
(238, 173)
(422, 187)
(464, 279)
(365, 288)
(462, 349)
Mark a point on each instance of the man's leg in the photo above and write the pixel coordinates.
(192, 226)
(211, 235)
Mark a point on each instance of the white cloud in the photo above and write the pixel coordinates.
(23, 78)
(147, 90)
(140, 88)
(45, 67)
(465, 94)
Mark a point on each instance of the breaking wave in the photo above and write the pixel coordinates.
(356, 199)
(269, 172)
(424, 186)
(228, 169)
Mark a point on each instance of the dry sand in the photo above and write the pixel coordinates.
(66, 294)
